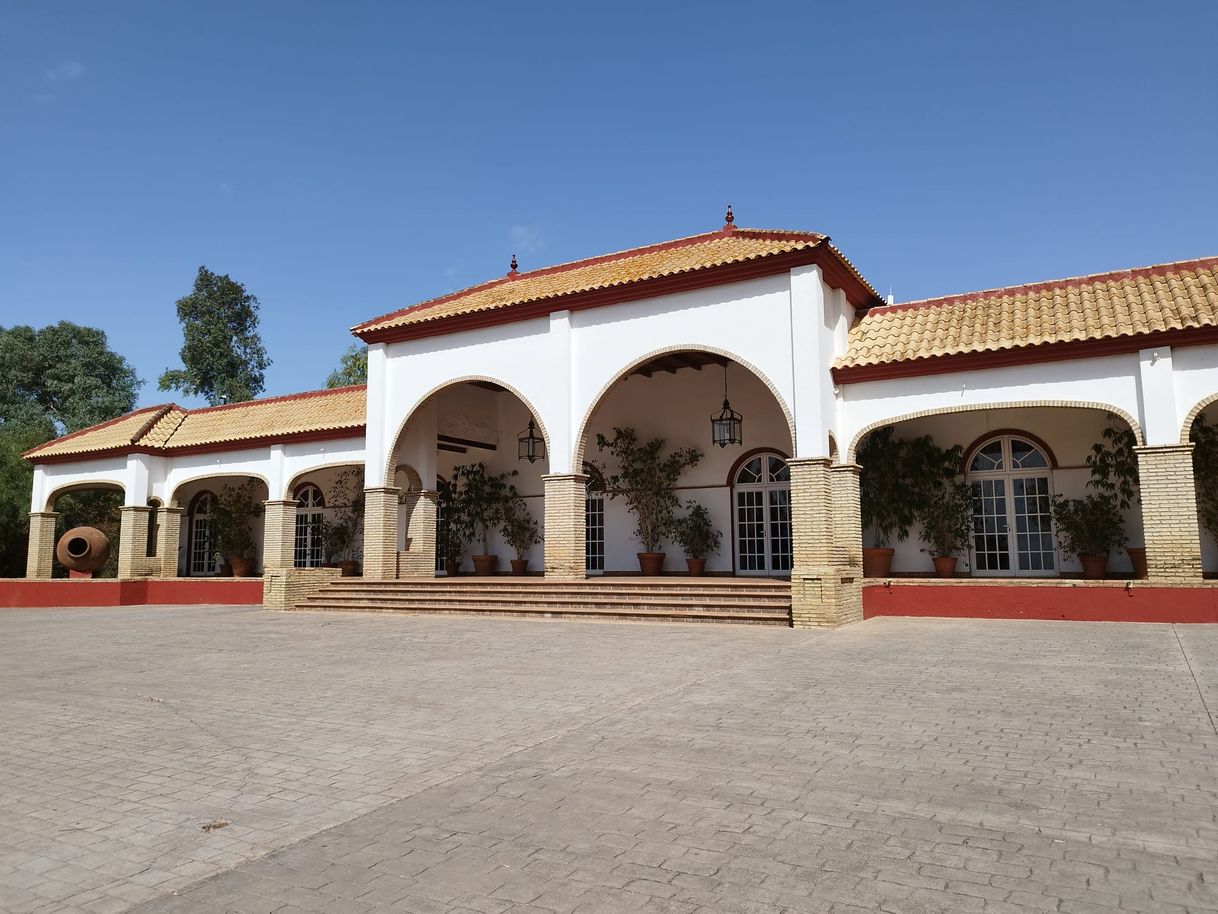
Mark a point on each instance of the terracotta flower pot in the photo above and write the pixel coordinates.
(83, 549)
(520, 566)
(452, 568)
(1094, 566)
(485, 564)
(241, 566)
(650, 563)
(226, 570)
(350, 569)
(1137, 557)
(877, 562)
(945, 565)
(697, 567)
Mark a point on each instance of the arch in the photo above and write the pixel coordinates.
(298, 480)
(410, 476)
(104, 485)
(749, 455)
(833, 452)
(852, 453)
(989, 436)
(214, 475)
(577, 454)
(1193, 413)
(299, 491)
(154, 525)
(390, 465)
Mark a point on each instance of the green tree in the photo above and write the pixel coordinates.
(223, 359)
(352, 367)
(53, 380)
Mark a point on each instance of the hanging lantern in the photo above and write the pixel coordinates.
(727, 424)
(532, 447)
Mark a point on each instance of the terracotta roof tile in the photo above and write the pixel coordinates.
(1126, 303)
(671, 258)
(169, 428)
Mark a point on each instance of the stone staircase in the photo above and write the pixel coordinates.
(616, 599)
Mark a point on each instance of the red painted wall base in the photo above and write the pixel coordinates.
(1082, 603)
(139, 592)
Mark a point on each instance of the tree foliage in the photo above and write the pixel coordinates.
(53, 380)
(352, 367)
(646, 478)
(223, 359)
(1204, 438)
(900, 479)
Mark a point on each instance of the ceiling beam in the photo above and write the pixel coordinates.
(466, 442)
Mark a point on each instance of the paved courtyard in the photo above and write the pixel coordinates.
(355, 763)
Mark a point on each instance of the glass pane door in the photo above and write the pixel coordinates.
(991, 539)
(594, 533)
(1033, 524)
(751, 530)
(780, 530)
(200, 546)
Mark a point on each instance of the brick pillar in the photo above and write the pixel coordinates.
(133, 542)
(168, 541)
(381, 532)
(565, 519)
(419, 559)
(1169, 512)
(826, 589)
(279, 534)
(41, 556)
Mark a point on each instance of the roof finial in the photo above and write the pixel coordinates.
(729, 219)
(512, 271)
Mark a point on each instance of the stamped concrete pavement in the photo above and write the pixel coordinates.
(362, 763)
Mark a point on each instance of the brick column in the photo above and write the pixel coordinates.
(133, 542)
(1169, 512)
(41, 556)
(279, 534)
(381, 532)
(824, 591)
(847, 515)
(419, 559)
(169, 539)
(565, 520)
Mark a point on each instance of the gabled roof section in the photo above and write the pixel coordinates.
(712, 258)
(170, 429)
(1171, 303)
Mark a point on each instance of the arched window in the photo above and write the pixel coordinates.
(1011, 479)
(308, 551)
(154, 527)
(594, 521)
(200, 556)
(761, 499)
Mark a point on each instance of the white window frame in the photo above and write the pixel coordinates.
(201, 520)
(310, 514)
(765, 487)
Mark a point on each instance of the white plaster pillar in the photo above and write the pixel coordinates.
(810, 352)
(1160, 417)
(561, 360)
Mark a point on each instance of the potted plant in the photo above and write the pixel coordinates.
(947, 524)
(451, 530)
(481, 497)
(698, 536)
(1114, 471)
(646, 478)
(519, 531)
(343, 532)
(235, 507)
(1089, 528)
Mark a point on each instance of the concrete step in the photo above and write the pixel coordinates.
(559, 612)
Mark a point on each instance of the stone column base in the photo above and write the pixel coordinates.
(279, 534)
(565, 522)
(133, 560)
(419, 559)
(381, 532)
(1169, 513)
(40, 560)
(283, 588)
(169, 538)
(826, 597)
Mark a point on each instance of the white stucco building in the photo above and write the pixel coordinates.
(654, 338)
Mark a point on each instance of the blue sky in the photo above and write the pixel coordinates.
(346, 159)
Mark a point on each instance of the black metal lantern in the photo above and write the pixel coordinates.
(531, 446)
(727, 424)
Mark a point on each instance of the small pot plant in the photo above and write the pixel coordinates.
(480, 498)
(646, 478)
(1090, 528)
(1114, 471)
(947, 525)
(519, 531)
(235, 507)
(452, 532)
(697, 535)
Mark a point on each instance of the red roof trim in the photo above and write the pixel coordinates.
(836, 273)
(242, 444)
(814, 238)
(1160, 269)
(96, 428)
(1024, 355)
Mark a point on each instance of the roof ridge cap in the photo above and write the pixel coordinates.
(279, 398)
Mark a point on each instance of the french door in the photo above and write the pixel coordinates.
(761, 502)
(1012, 519)
(201, 560)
